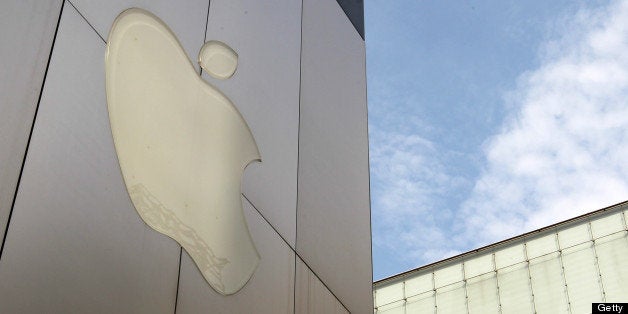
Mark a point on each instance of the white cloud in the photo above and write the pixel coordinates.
(561, 153)
(564, 151)
(407, 183)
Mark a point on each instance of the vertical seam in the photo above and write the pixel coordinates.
(596, 261)
(466, 289)
(322, 282)
(525, 252)
(499, 300)
(296, 207)
(200, 73)
(368, 152)
(30, 134)
(434, 290)
(176, 295)
(296, 255)
(562, 271)
(405, 297)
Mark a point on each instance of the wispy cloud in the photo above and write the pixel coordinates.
(408, 184)
(561, 152)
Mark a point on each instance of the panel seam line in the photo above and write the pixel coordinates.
(86, 21)
(295, 253)
(296, 207)
(200, 73)
(30, 135)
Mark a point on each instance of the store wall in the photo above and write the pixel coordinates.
(562, 269)
(73, 241)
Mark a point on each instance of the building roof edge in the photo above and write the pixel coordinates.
(496, 244)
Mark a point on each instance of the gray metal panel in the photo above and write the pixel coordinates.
(75, 243)
(311, 296)
(265, 88)
(186, 19)
(333, 226)
(27, 29)
(270, 290)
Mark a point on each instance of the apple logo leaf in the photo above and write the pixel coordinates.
(182, 145)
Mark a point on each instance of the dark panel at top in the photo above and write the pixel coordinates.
(354, 9)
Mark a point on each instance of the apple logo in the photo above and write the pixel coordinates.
(182, 145)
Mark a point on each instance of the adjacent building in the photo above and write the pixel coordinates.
(562, 268)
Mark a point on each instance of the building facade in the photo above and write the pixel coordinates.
(563, 268)
(72, 241)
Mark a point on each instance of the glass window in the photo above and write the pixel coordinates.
(482, 293)
(509, 256)
(448, 275)
(612, 252)
(514, 289)
(548, 284)
(419, 284)
(582, 277)
(541, 246)
(451, 299)
(478, 265)
(389, 294)
(606, 225)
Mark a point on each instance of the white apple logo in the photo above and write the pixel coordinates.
(182, 145)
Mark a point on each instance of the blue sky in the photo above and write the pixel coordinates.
(488, 119)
